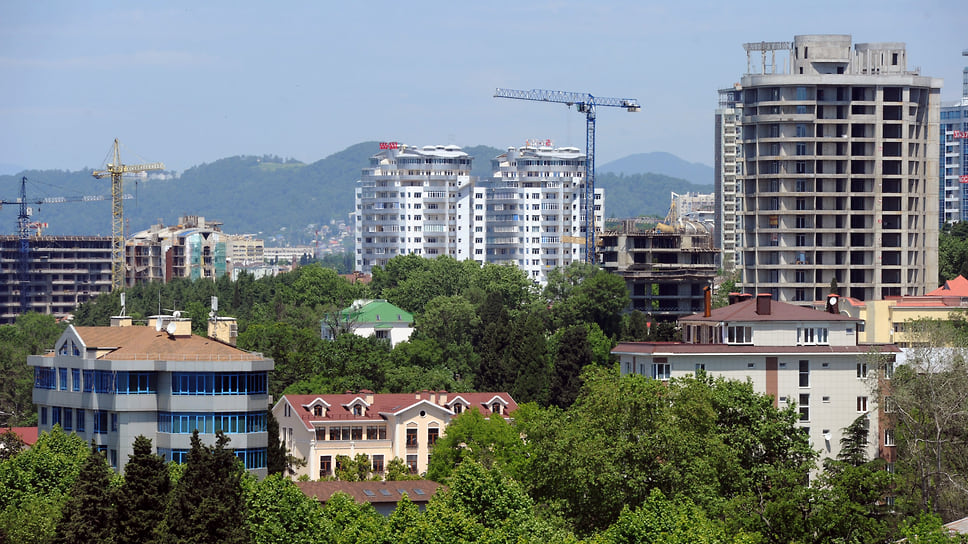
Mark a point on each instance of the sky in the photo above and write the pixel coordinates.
(187, 83)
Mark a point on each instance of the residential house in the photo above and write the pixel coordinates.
(367, 318)
(320, 428)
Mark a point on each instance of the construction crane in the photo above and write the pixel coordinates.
(23, 229)
(584, 103)
(116, 170)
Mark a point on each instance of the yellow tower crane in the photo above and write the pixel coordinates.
(116, 170)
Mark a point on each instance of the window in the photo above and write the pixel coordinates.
(889, 405)
(68, 420)
(325, 465)
(862, 404)
(80, 421)
(318, 410)
(45, 378)
(700, 367)
(357, 409)
(457, 407)
(100, 422)
(378, 464)
(861, 370)
(661, 371)
(412, 464)
(739, 335)
(62, 374)
(76, 379)
(55, 415)
(804, 407)
(114, 458)
(411, 438)
(889, 437)
(43, 415)
(496, 408)
(433, 434)
(114, 422)
(804, 373)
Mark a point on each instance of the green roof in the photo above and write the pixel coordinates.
(376, 311)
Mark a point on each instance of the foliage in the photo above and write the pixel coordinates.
(584, 293)
(953, 251)
(277, 512)
(10, 444)
(31, 334)
(90, 515)
(728, 285)
(207, 503)
(659, 519)
(143, 495)
(490, 441)
(353, 469)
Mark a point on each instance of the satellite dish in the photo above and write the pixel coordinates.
(176, 314)
(170, 329)
(157, 325)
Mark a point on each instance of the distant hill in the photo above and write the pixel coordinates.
(281, 200)
(659, 162)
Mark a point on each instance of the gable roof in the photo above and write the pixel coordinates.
(137, 342)
(386, 404)
(376, 311)
(956, 287)
(779, 311)
(372, 492)
(27, 434)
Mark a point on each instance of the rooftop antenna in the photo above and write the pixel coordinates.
(213, 314)
(122, 304)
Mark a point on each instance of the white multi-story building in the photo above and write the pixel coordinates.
(796, 355)
(839, 171)
(413, 200)
(727, 165)
(423, 201)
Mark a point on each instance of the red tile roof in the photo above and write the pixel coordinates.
(372, 492)
(27, 434)
(137, 342)
(338, 405)
(779, 311)
(957, 287)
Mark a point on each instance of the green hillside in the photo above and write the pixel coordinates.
(282, 200)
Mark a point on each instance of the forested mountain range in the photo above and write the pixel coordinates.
(281, 200)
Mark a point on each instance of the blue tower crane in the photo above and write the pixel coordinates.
(584, 103)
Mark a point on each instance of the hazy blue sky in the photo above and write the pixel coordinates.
(193, 82)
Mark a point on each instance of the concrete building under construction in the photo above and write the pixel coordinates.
(665, 272)
(194, 248)
(61, 272)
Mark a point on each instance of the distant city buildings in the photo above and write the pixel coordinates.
(836, 170)
(60, 273)
(193, 249)
(423, 201)
(953, 166)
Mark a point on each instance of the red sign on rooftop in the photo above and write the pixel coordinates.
(389, 145)
(961, 135)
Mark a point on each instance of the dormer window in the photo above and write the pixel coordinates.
(496, 408)
(357, 410)
(458, 408)
(318, 410)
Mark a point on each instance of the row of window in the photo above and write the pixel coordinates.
(134, 383)
(208, 423)
(662, 370)
(377, 465)
(75, 419)
(253, 458)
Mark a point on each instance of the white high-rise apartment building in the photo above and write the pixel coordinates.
(727, 165)
(413, 200)
(529, 214)
(838, 173)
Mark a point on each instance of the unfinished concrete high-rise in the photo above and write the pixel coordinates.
(838, 173)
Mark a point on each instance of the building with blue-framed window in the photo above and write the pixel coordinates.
(954, 157)
(111, 384)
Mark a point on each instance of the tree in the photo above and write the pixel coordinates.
(207, 502)
(659, 519)
(31, 334)
(583, 292)
(492, 345)
(353, 469)
(725, 287)
(10, 444)
(90, 514)
(572, 355)
(278, 512)
(927, 399)
(490, 441)
(143, 495)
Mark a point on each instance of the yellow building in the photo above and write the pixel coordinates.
(320, 428)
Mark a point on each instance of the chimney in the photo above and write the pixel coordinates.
(708, 298)
(223, 329)
(763, 303)
(733, 298)
(433, 396)
(743, 297)
(833, 303)
(442, 397)
(368, 395)
(121, 321)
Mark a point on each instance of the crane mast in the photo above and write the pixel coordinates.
(584, 103)
(116, 170)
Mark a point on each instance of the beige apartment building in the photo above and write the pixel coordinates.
(836, 170)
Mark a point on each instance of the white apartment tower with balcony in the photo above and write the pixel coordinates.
(837, 175)
(534, 209)
(727, 153)
(413, 200)
(423, 201)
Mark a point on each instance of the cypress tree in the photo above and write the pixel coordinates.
(89, 514)
(207, 503)
(144, 494)
(276, 454)
(573, 354)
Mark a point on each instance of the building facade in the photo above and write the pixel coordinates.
(953, 166)
(111, 384)
(665, 272)
(61, 272)
(727, 166)
(797, 355)
(193, 249)
(838, 177)
(321, 428)
(423, 201)
(367, 318)
(413, 200)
